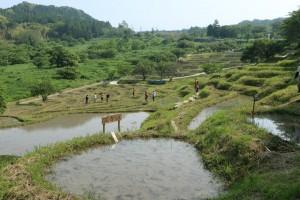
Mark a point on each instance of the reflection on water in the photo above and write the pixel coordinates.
(206, 112)
(16, 141)
(152, 169)
(286, 127)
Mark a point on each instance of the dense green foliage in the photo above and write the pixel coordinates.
(246, 29)
(50, 21)
(62, 57)
(211, 68)
(290, 28)
(261, 50)
(44, 88)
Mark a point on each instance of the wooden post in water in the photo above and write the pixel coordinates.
(103, 128)
(255, 98)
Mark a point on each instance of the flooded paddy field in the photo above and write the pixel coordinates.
(139, 169)
(19, 140)
(285, 126)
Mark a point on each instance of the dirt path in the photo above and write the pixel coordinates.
(28, 100)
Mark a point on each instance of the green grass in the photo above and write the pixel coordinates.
(231, 146)
(6, 160)
(269, 185)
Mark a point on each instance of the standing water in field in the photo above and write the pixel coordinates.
(17, 141)
(139, 169)
(285, 126)
(206, 112)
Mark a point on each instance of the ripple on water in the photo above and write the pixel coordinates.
(19, 140)
(151, 169)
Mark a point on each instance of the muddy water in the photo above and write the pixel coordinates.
(151, 169)
(205, 113)
(284, 126)
(17, 141)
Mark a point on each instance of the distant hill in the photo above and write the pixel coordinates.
(258, 22)
(56, 21)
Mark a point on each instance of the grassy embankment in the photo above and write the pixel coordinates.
(231, 146)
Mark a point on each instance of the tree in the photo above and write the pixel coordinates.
(68, 73)
(2, 100)
(123, 24)
(185, 44)
(124, 69)
(162, 57)
(163, 62)
(211, 68)
(61, 57)
(112, 73)
(214, 29)
(178, 52)
(44, 88)
(108, 53)
(41, 60)
(144, 67)
(167, 69)
(290, 28)
(262, 49)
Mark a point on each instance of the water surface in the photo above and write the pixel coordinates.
(17, 141)
(285, 126)
(139, 169)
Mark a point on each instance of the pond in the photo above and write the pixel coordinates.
(285, 126)
(139, 169)
(206, 112)
(17, 141)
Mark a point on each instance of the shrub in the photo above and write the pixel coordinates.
(213, 82)
(281, 96)
(251, 91)
(267, 74)
(217, 75)
(235, 77)
(287, 63)
(68, 72)
(250, 81)
(204, 93)
(211, 68)
(223, 85)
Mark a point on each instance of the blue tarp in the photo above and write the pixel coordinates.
(156, 82)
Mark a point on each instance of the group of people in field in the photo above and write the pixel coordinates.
(108, 95)
(145, 94)
(196, 82)
(95, 97)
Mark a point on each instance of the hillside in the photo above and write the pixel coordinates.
(266, 22)
(50, 21)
